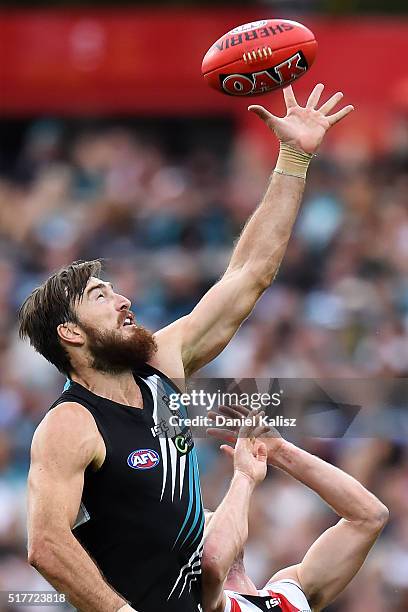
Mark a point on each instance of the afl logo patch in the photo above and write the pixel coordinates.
(143, 459)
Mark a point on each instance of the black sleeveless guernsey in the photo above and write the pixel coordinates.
(141, 517)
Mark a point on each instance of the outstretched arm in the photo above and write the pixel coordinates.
(335, 558)
(204, 333)
(227, 529)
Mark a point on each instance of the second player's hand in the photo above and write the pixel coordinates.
(250, 453)
(230, 433)
(303, 127)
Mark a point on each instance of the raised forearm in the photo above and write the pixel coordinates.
(66, 565)
(338, 554)
(207, 330)
(300, 132)
(227, 531)
(348, 498)
(264, 239)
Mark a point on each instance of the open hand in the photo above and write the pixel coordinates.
(303, 127)
(250, 453)
(233, 430)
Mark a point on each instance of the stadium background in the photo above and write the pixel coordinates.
(112, 146)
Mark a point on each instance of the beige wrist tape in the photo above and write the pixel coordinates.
(292, 162)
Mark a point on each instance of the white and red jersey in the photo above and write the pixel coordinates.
(281, 596)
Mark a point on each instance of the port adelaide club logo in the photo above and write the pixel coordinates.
(143, 459)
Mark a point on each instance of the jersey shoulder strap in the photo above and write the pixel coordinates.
(279, 596)
(148, 370)
(291, 590)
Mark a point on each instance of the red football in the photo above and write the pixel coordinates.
(258, 57)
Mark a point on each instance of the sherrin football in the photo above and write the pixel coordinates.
(258, 57)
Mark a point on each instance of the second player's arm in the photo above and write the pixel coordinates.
(339, 552)
(227, 531)
(224, 538)
(64, 445)
(337, 555)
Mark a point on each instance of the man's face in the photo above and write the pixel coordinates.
(103, 309)
(112, 338)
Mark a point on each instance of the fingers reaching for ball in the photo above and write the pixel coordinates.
(315, 96)
(331, 103)
(340, 114)
(289, 97)
(304, 127)
(263, 114)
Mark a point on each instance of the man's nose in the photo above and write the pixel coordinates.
(123, 303)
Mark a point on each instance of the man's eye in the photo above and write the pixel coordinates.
(100, 295)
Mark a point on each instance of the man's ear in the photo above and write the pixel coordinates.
(71, 333)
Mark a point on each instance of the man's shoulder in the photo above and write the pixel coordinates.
(67, 420)
(68, 434)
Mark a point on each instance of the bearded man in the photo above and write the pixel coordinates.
(115, 513)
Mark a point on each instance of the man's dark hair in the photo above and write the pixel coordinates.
(52, 304)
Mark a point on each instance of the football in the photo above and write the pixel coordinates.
(258, 57)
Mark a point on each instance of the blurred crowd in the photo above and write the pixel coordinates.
(166, 224)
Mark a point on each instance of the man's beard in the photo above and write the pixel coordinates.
(113, 354)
